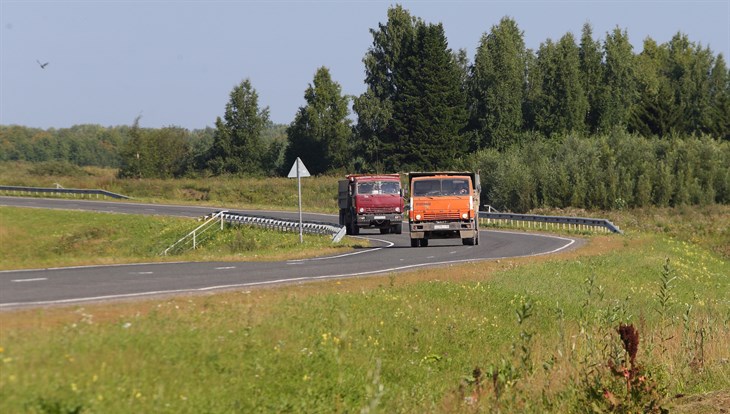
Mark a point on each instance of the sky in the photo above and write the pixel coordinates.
(175, 63)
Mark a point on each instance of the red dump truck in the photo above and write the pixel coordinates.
(371, 201)
(444, 205)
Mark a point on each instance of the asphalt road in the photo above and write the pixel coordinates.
(391, 253)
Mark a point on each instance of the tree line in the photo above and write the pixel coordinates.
(428, 107)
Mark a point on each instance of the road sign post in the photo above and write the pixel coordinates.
(299, 170)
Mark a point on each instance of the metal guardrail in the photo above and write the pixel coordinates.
(577, 223)
(192, 239)
(272, 223)
(16, 190)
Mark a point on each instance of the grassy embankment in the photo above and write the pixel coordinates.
(34, 238)
(318, 194)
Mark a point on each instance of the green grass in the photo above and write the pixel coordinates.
(405, 342)
(34, 238)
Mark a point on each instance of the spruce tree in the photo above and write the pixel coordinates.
(375, 138)
(429, 105)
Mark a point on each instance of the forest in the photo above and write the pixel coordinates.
(581, 121)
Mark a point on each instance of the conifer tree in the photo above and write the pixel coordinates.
(375, 138)
(429, 110)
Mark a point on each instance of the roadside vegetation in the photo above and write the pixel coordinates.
(38, 238)
(319, 194)
(634, 322)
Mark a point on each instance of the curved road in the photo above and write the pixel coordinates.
(40, 287)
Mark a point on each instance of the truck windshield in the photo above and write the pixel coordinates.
(378, 187)
(441, 187)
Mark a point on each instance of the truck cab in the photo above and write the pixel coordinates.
(444, 205)
(371, 201)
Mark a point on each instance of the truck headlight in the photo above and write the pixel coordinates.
(397, 209)
(418, 216)
(362, 209)
(464, 216)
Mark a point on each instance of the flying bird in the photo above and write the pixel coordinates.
(43, 65)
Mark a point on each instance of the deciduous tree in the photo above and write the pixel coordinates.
(497, 85)
(320, 131)
(237, 145)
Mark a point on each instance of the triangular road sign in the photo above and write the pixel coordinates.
(298, 165)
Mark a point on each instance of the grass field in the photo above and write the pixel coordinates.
(517, 335)
(52, 238)
(514, 335)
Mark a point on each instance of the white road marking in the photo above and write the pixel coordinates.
(35, 279)
(273, 282)
(224, 268)
(141, 273)
(368, 250)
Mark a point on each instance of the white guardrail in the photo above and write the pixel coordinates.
(561, 222)
(192, 239)
(310, 227)
(17, 190)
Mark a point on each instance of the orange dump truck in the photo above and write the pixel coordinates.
(444, 205)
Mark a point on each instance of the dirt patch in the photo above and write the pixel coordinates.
(712, 402)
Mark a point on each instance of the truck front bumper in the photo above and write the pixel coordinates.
(451, 229)
(367, 220)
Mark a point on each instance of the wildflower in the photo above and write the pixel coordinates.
(608, 395)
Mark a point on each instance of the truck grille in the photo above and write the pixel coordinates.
(377, 210)
(447, 215)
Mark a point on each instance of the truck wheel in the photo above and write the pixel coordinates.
(355, 229)
(424, 242)
(469, 241)
(384, 230)
(414, 242)
(397, 229)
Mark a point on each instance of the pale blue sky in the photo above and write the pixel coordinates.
(175, 62)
